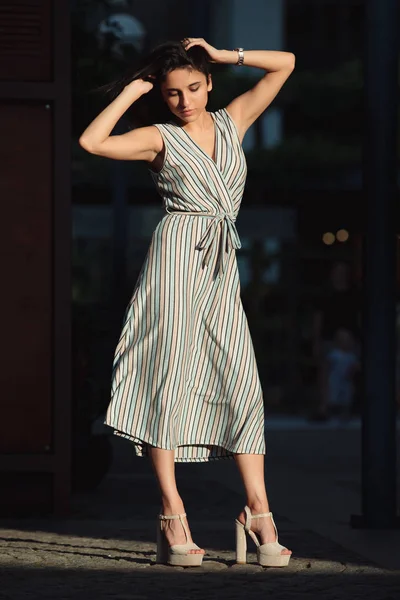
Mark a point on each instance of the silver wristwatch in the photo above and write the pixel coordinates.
(240, 57)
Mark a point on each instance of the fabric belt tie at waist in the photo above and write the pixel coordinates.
(229, 236)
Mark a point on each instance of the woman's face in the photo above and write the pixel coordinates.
(185, 92)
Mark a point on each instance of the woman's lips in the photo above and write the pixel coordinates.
(186, 112)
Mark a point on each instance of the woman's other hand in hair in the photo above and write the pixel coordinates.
(214, 55)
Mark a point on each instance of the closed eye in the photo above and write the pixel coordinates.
(171, 94)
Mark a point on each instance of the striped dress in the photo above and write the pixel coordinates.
(184, 372)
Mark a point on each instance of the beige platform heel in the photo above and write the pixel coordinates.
(268, 555)
(177, 555)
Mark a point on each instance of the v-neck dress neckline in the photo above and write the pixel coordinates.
(214, 161)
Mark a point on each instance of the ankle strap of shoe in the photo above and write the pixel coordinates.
(180, 517)
(168, 517)
(249, 517)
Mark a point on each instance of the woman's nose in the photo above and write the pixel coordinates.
(184, 101)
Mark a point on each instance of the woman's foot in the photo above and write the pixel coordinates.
(173, 530)
(263, 526)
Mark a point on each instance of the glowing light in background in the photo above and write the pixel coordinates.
(328, 238)
(342, 235)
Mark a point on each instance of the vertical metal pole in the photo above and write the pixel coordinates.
(120, 228)
(61, 368)
(120, 221)
(379, 408)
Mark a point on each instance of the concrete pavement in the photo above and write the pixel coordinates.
(106, 549)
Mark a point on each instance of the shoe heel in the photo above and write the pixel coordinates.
(241, 544)
(162, 547)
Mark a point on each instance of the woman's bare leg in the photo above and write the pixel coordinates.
(171, 502)
(251, 468)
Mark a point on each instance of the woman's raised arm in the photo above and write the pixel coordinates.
(247, 107)
(143, 143)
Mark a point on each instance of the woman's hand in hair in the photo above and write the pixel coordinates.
(140, 85)
(215, 55)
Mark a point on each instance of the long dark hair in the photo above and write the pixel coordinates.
(154, 67)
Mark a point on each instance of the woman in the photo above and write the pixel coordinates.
(185, 382)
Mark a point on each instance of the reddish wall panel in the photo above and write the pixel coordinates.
(25, 40)
(25, 266)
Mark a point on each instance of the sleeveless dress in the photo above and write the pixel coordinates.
(184, 371)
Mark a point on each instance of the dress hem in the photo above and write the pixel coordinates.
(140, 443)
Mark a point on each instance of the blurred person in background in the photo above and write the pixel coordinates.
(342, 366)
(185, 381)
(337, 311)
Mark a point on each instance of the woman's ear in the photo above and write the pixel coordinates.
(209, 83)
